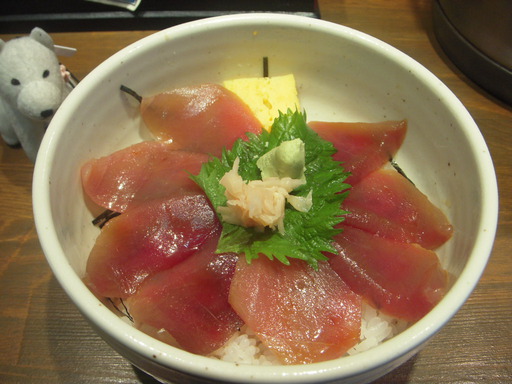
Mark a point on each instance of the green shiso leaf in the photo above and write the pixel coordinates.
(306, 234)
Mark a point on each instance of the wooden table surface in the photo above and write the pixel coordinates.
(43, 338)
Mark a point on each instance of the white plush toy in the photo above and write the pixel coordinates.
(32, 87)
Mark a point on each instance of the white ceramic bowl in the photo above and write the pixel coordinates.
(342, 74)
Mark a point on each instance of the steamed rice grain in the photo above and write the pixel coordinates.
(245, 347)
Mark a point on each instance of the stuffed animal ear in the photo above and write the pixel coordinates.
(42, 37)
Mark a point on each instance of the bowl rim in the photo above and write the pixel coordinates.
(401, 345)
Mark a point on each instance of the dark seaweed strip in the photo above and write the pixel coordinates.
(123, 312)
(265, 66)
(131, 92)
(400, 170)
(104, 217)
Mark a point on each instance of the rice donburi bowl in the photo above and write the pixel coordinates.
(343, 76)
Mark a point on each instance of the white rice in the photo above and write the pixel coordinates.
(245, 347)
(376, 328)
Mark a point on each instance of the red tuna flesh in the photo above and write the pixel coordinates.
(149, 238)
(204, 118)
(402, 280)
(190, 301)
(302, 315)
(144, 171)
(387, 204)
(362, 147)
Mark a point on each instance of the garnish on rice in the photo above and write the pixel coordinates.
(311, 201)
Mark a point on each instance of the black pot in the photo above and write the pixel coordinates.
(477, 36)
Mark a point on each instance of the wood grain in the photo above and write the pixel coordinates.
(43, 338)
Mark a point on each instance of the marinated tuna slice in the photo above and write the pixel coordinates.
(146, 239)
(387, 204)
(402, 280)
(190, 302)
(362, 147)
(204, 118)
(141, 172)
(302, 315)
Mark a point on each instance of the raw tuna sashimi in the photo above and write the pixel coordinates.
(141, 172)
(146, 239)
(190, 301)
(402, 280)
(302, 315)
(387, 204)
(204, 118)
(159, 256)
(362, 147)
